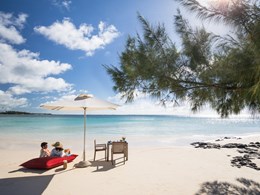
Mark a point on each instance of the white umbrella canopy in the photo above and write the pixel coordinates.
(85, 102)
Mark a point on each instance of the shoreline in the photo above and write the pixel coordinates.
(34, 140)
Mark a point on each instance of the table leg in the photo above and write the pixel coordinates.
(107, 152)
(127, 152)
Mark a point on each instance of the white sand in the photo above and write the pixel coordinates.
(149, 170)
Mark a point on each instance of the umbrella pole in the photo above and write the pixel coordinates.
(84, 163)
(84, 149)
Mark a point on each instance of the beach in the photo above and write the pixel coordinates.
(171, 89)
(149, 170)
(161, 157)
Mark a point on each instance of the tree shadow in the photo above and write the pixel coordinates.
(247, 187)
(30, 184)
(25, 185)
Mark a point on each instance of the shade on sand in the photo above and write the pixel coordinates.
(84, 102)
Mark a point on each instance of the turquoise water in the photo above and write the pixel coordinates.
(171, 129)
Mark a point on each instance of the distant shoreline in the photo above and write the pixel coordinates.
(22, 113)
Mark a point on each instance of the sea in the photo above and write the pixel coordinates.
(139, 130)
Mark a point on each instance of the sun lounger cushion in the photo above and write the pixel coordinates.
(47, 162)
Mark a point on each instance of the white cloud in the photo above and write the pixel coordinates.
(66, 4)
(144, 105)
(28, 73)
(8, 101)
(65, 33)
(62, 3)
(22, 69)
(8, 25)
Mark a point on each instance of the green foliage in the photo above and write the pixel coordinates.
(223, 72)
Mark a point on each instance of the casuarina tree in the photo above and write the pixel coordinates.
(208, 69)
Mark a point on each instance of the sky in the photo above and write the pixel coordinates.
(56, 49)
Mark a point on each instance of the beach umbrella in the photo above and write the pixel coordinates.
(84, 102)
